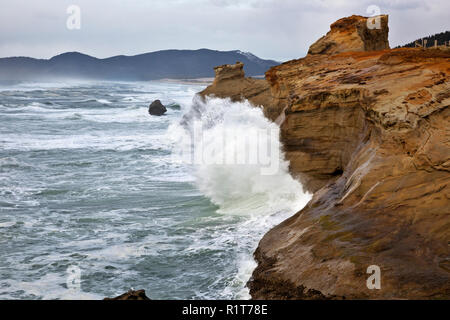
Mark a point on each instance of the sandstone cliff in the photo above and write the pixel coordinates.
(230, 82)
(354, 33)
(368, 133)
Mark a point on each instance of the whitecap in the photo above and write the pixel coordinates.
(104, 101)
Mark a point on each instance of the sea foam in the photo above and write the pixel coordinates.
(242, 189)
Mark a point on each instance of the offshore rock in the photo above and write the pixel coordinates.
(156, 108)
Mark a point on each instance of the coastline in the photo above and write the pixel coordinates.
(363, 128)
(194, 81)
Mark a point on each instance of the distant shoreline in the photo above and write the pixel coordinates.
(177, 64)
(205, 81)
(189, 81)
(193, 81)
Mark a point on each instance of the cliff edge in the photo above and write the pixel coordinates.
(354, 33)
(366, 129)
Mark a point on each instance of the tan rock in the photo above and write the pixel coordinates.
(230, 82)
(371, 138)
(355, 33)
(229, 72)
(368, 133)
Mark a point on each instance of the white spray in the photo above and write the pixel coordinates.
(239, 164)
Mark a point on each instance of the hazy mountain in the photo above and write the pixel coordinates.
(177, 64)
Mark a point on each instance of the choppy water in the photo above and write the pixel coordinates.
(87, 179)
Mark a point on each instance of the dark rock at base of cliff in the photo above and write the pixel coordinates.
(156, 108)
(131, 295)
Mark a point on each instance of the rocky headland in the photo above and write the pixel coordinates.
(367, 131)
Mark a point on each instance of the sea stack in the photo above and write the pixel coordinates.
(354, 33)
(156, 108)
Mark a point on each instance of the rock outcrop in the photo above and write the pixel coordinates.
(229, 72)
(368, 133)
(230, 82)
(156, 108)
(354, 33)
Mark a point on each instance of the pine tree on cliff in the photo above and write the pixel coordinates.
(442, 38)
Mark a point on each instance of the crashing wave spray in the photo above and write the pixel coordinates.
(238, 164)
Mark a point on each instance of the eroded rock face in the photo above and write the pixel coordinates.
(355, 33)
(229, 72)
(368, 133)
(230, 82)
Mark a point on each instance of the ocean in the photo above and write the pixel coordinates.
(95, 197)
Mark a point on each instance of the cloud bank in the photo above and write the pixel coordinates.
(275, 29)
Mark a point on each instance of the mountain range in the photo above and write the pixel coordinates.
(174, 64)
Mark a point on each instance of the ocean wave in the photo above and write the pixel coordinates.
(241, 189)
(97, 185)
(103, 101)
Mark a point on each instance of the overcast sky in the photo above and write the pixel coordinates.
(275, 29)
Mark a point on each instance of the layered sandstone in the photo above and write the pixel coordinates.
(230, 82)
(368, 133)
(354, 33)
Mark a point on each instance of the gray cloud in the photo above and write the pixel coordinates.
(278, 29)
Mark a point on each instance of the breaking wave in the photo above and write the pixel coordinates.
(262, 191)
